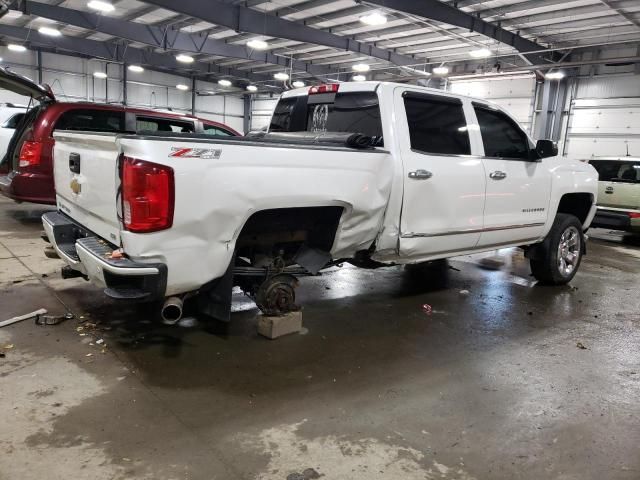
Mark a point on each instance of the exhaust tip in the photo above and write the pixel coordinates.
(172, 310)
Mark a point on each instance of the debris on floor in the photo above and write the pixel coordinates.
(53, 319)
(426, 308)
(464, 292)
(581, 346)
(21, 318)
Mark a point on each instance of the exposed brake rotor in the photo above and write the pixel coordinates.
(277, 296)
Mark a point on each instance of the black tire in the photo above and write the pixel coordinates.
(556, 264)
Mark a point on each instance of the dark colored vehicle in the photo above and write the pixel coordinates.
(26, 170)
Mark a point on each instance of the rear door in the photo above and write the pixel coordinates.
(619, 184)
(444, 184)
(87, 180)
(518, 186)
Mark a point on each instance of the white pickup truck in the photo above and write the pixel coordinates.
(427, 175)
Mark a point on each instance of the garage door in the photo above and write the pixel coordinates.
(605, 117)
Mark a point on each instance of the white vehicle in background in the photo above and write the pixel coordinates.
(10, 116)
(369, 173)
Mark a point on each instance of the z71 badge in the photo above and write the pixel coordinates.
(213, 153)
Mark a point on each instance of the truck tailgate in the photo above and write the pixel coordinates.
(87, 180)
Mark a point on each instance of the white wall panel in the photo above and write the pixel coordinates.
(261, 110)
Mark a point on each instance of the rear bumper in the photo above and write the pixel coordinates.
(28, 187)
(615, 220)
(121, 278)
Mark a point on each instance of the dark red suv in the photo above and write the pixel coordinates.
(26, 170)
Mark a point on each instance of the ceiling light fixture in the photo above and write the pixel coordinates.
(298, 84)
(358, 78)
(101, 6)
(442, 70)
(252, 88)
(16, 48)
(257, 44)
(374, 18)
(480, 53)
(182, 58)
(281, 76)
(360, 67)
(52, 32)
(557, 75)
(183, 87)
(99, 74)
(224, 82)
(136, 68)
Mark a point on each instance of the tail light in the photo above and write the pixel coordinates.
(30, 154)
(634, 215)
(147, 195)
(325, 88)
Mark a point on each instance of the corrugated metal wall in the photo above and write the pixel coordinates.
(514, 94)
(72, 80)
(604, 117)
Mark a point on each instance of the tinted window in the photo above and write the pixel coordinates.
(437, 125)
(501, 136)
(91, 120)
(617, 171)
(13, 121)
(354, 112)
(154, 124)
(213, 130)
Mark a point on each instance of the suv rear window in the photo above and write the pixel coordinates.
(155, 124)
(13, 121)
(214, 130)
(352, 112)
(617, 171)
(91, 120)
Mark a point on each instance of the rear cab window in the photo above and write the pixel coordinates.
(623, 171)
(437, 124)
(344, 112)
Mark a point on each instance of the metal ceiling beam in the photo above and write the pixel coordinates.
(242, 19)
(120, 53)
(627, 16)
(441, 12)
(165, 38)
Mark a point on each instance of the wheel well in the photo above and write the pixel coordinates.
(281, 232)
(577, 204)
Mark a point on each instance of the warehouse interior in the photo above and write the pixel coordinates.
(464, 367)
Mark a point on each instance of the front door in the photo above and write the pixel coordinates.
(444, 185)
(518, 185)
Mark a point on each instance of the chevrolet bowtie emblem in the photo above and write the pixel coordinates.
(75, 186)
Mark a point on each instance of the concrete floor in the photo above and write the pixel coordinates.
(490, 385)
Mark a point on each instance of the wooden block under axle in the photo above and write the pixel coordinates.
(275, 327)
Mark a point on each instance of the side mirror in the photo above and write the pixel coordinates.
(546, 148)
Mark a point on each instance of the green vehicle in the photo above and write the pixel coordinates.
(618, 193)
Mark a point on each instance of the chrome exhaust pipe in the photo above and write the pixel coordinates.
(171, 311)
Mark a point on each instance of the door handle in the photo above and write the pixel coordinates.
(420, 175)
(497, 175)
(74, 162)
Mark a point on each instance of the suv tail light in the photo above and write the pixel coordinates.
(634, 215)
(30, 154)
(147, 195)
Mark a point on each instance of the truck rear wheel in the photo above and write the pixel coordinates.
(561, 252)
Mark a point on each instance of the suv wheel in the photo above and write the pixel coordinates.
(561, 252)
